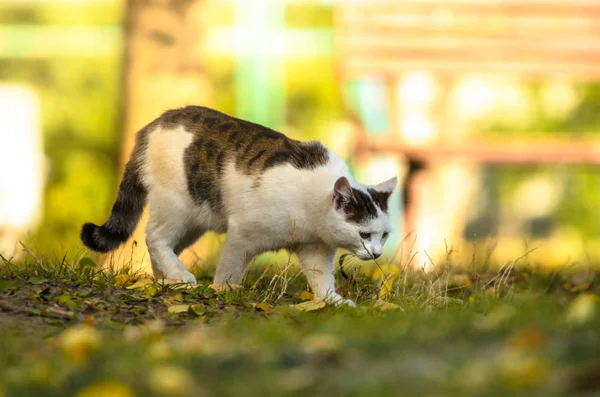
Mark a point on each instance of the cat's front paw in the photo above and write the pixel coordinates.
(181, 277)
(338, 300)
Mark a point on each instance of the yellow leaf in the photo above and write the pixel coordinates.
(66, 300)
(178, 308)
(306, 296)
(310, 306)
(225, 287)
(385, 271)
(141, 283)
(387, 287)
(471, 299)
(174, 298)
(122, 279)
(582, 309)
(265, 307)
(106, 389)
(151, 290)
(385, 306)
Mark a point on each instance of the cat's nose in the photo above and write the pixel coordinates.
(376, 254)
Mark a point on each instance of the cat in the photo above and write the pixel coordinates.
(202, 170)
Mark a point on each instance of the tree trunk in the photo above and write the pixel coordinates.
(163, 70)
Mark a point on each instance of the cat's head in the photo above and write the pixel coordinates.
(363, 222)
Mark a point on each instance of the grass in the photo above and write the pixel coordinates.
(73, 329)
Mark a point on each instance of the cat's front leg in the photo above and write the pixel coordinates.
(235, 255)
(317, 263)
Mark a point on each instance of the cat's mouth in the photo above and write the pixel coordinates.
(365, 256)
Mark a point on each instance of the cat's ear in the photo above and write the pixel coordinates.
(342, 193)
(387, 186)
(385, 189)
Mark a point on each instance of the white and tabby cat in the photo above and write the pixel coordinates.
(201, 170)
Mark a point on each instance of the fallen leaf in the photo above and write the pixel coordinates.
(178, 308)
(60, 312)
(175, 298)
(37, 280)
(306, 296)
(310, 306)
(387, 287)
(265, 307)
(141, 283)
(122, 279)
(385, 306)
(197, 309)
(151, 291)
(65, 299)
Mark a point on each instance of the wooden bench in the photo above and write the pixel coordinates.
(384, 39)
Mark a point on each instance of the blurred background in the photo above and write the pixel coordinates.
(489, 111)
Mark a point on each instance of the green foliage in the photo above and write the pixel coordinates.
(81, 123)
(81, 119)
(62, 13)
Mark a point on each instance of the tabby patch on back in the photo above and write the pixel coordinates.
(201, 170)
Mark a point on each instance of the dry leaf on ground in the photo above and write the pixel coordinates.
(310, 306)
(306, 296)
(141, 283)
(265, 307)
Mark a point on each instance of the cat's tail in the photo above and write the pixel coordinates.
(126, 211)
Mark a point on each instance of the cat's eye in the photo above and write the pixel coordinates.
(365, 236)
(385, 235)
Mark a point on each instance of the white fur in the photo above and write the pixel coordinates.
(290, 209)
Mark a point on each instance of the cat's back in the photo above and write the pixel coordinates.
(202, 152)
(219, 139)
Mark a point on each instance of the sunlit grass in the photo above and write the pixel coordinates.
(75, 328)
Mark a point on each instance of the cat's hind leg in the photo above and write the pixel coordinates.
(169, 231)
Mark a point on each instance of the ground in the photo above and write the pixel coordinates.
(75, 329)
